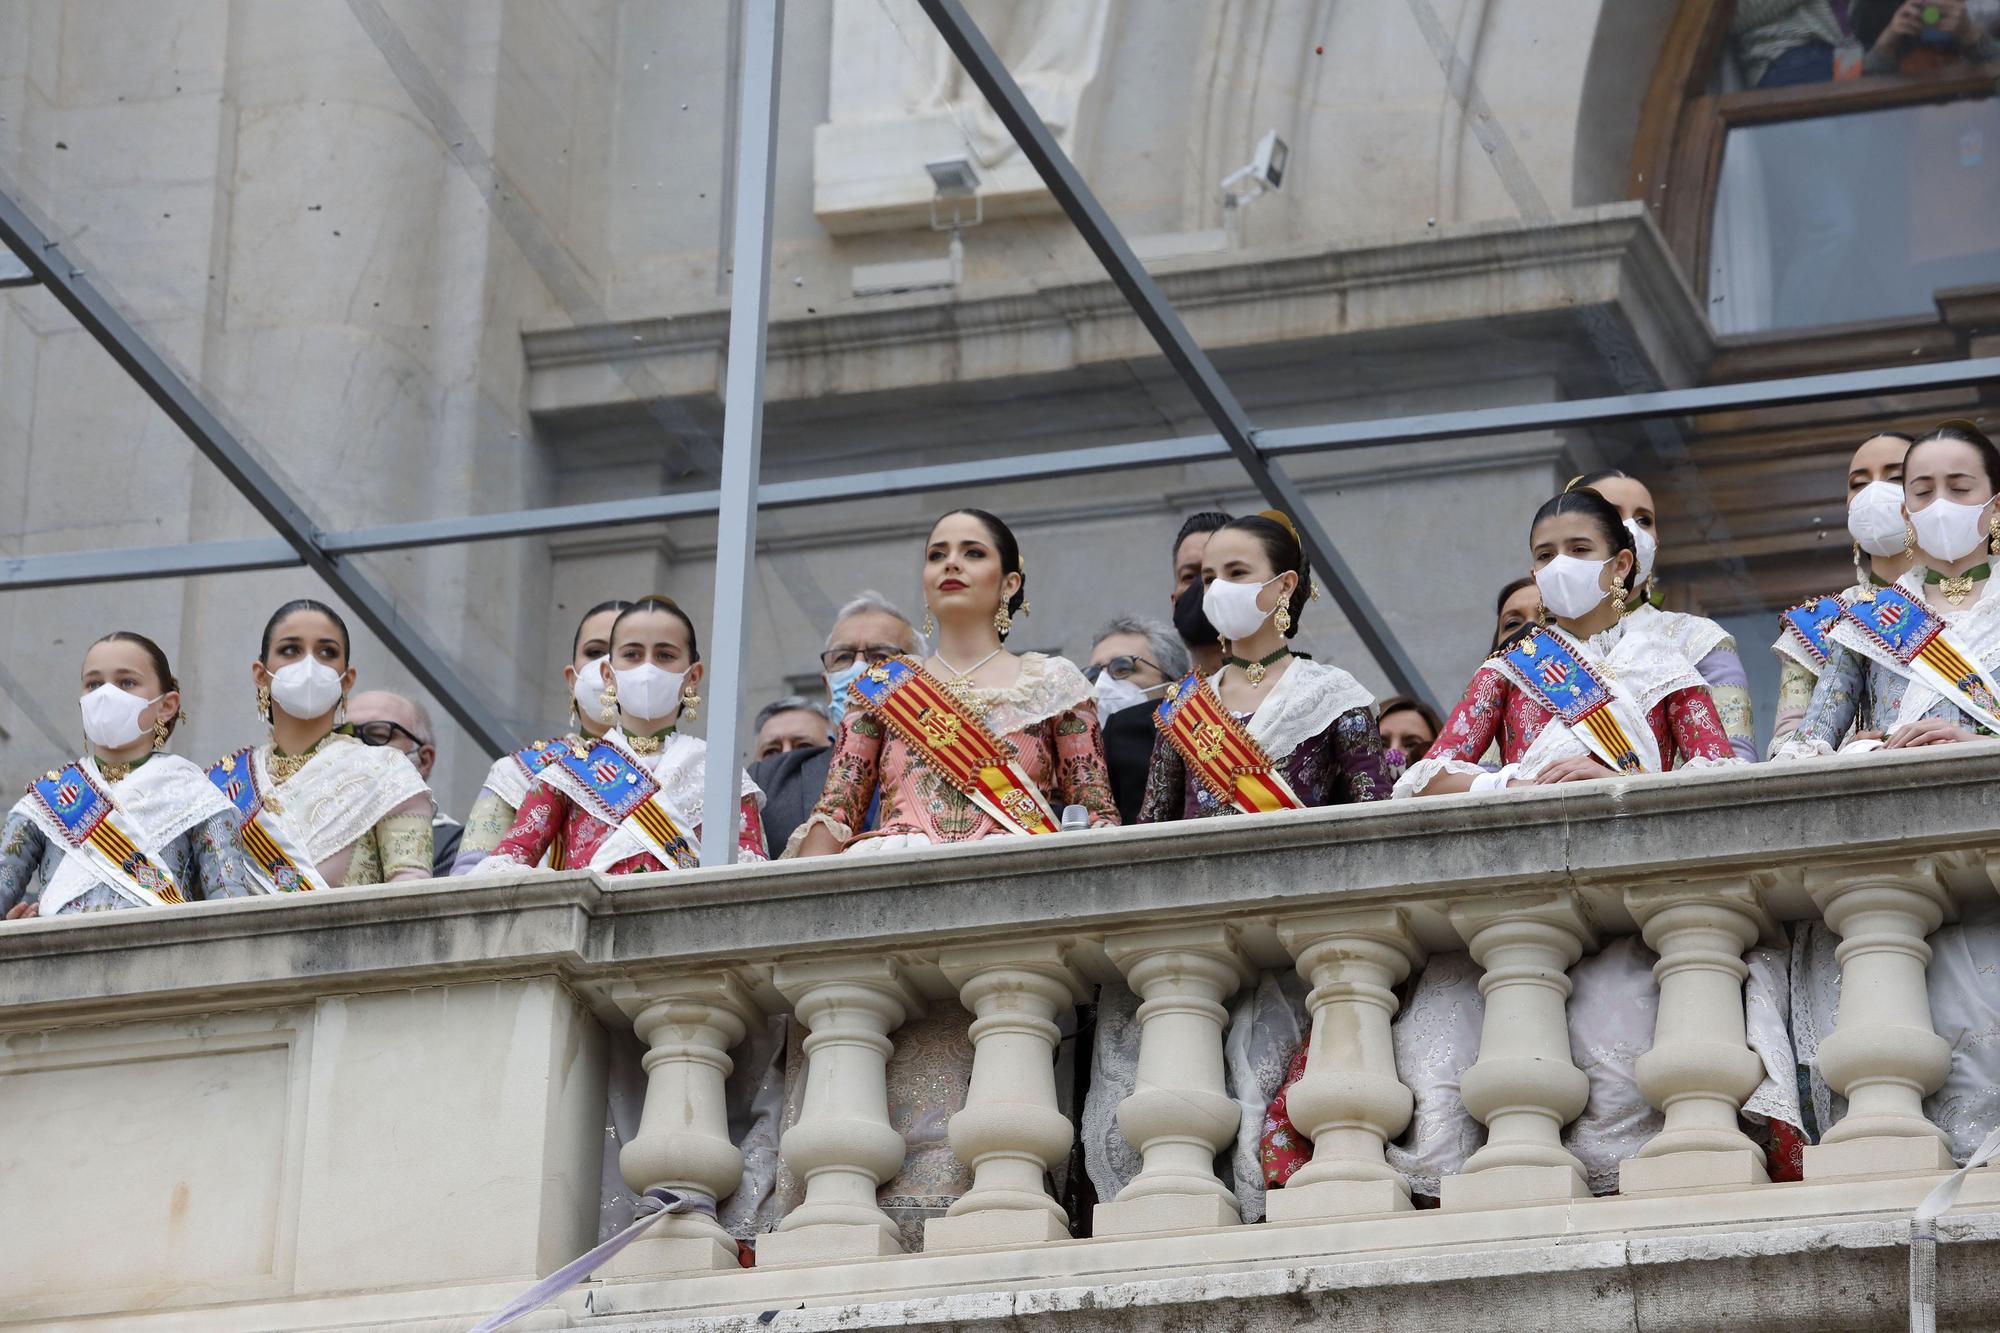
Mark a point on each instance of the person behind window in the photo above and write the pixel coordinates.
(1916, 661)
(1712, 647)
(1132, 664)
(1518, 606)
(1408, 728)
(1594, 693)
(867, 632)
(1916, 38)
(1203, 643)
(1268, 730)
(591, 797)
(1784, 43)
(1875, 522)
(791, 723)
(319, 807)
(167, 835)
(380, 717)
(507, 782)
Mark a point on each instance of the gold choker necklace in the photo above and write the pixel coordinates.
(284, 767)
(648, 744)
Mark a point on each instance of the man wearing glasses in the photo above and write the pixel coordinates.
(868, 631)
(381, 718)
(1131, 666)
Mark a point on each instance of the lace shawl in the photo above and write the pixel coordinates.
(1046, 686)
(341, 793)
(1304, 703)
(681, 767)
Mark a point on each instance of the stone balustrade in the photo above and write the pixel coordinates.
(385, 1107)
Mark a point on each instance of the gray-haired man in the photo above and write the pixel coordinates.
(869, 630)
(1132, 664)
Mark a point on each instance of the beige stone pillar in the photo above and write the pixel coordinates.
(1524, 1088)
(1701, 1068)
(1884, 1056)
(1349, 1100)
(1010, 1132)
(689, 1025)
(843, 1145)
(1178, 1116)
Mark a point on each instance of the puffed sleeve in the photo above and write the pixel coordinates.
(1166, 785)
(1835, 701)
(851, 776)
(1470, 729)
(1795, 691)
(221, 867)
(1730, 688)
(542, 813)
(1082, 777)
(22, 846)
(1358, 771)
(407, 840)
(1697, 727)
(490, 820)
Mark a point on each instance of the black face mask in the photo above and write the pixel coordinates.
(1191, 622)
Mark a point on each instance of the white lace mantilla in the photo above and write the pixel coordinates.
(1304, 703)
(1789, 649)
(681, 768)
(1046, 686)
(341, 793)
(1696, 636)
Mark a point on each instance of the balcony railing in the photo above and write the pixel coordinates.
(385, 1107)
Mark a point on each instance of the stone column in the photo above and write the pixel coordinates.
(1524, 1088)
(1010, 1132)
(689, 1025)
(843, 1146)
(1349, 1101)
(1701, 1068)
(1179, 1116)
(1884, 1056)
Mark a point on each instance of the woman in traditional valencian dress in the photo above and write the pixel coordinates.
(1875, 522)
(1707, 644)
(319, 807)
(506, 784)
(127, 824)
(1595, 694)
(631, 802)
(910, 730)
(1918, 664)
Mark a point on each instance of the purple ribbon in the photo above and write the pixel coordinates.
(653, 1204)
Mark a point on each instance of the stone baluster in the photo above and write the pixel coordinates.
(1525, 1087)
(1349, 1100)
(1178, 1116)
(843, 1145)
(1701, 1068)
(1010, 1132)
(689, 1025)
(1884, 1056)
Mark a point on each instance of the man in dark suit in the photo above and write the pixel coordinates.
(1132, 664)
(868, 630)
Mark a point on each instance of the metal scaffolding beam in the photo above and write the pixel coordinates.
(1182, 352)
(185, 407)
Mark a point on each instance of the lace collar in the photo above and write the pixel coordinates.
(1046, 686)
(163, 798)
(341, 793)
(1696, 636)
(1646, 659)
(1304, 703)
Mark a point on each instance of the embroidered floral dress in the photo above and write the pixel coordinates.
(496, 806)
(1315, 723)
(200, 852)
(681, 767)
(1713, 652)
(361, 813)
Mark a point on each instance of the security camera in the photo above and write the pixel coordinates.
(1265, 172)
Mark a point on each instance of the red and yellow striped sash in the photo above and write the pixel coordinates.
(111, 840)
(1223, 755)
(955, 743)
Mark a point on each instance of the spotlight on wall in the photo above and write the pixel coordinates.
(1248, 183)
(954, 182)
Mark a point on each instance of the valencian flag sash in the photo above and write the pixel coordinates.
(1563, 683)
(1916, 637)
(1222, 753)
(84, 815)
(623, 794)
(281, 866)
(533, 758)
(938, 726)
(1808, 623)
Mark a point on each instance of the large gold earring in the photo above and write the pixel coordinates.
(690, 704)
(1002, 621)
(264, 702)
(1618, 594)
(1993, 535)
(1025, 608)
(160, 733)
(930, 625)
(607, 702)
(1282, 618)
(340, 712)
(1541, 616)
(1909, 540)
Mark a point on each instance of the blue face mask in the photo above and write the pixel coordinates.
(837, 684)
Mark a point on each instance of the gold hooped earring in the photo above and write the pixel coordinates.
(930, 625)
(690, 704)
(264, 702)
(1002, 621)
(1282, 618)
(1618, 594)
(160, 734)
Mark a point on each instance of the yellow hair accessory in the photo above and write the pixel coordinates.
(1282, 519)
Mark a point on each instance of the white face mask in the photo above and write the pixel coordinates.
(1571, 587)
(589, 691)
(1645, 546)
(306, 690)
(1232, 607)
(1115, 695)
(111, 716)
(1875, 518)
(1949, 530)
(647, 692)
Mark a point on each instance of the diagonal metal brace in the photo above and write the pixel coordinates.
(185, 407)
(1187, 358)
